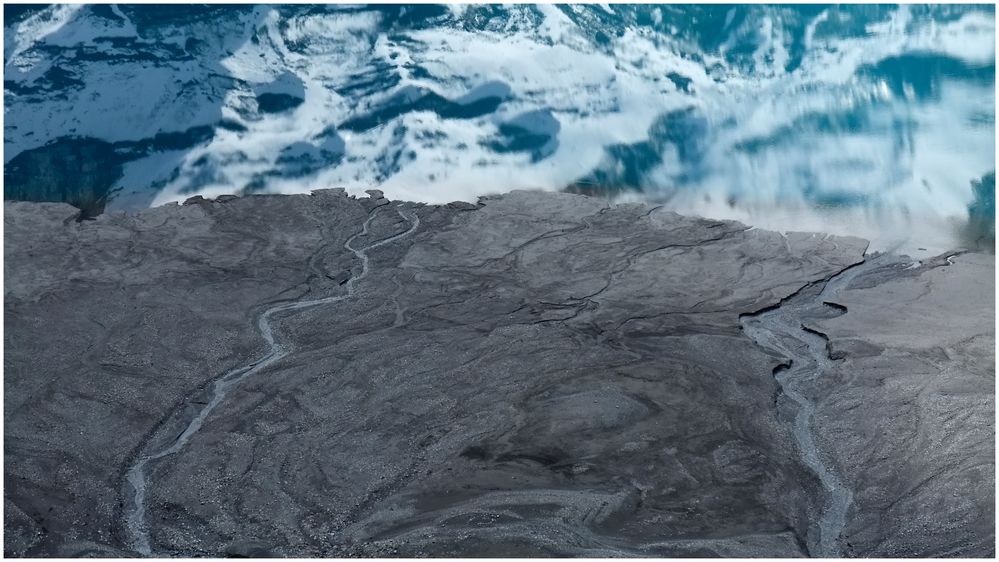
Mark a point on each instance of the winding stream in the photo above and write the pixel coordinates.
(135, 517)
(782, 330)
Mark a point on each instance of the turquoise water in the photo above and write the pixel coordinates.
(874, 120)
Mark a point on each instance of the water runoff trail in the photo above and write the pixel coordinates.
(135, 516)
(782, 330)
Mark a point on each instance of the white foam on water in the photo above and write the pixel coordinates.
(34, 29)
(908, 170)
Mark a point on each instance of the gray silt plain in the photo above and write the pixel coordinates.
(539, 374)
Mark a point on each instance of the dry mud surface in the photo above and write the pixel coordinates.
(539, 374)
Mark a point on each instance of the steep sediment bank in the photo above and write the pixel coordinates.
(537, 374)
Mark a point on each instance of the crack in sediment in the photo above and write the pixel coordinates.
(781, 328)
(135, 517)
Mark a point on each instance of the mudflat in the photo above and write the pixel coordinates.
(538, 374)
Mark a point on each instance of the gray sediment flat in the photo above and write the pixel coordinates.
(539, 374)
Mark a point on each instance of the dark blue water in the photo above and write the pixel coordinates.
(872, 119)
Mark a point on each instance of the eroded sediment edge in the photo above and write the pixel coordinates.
(136, 478)
(781, 328)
